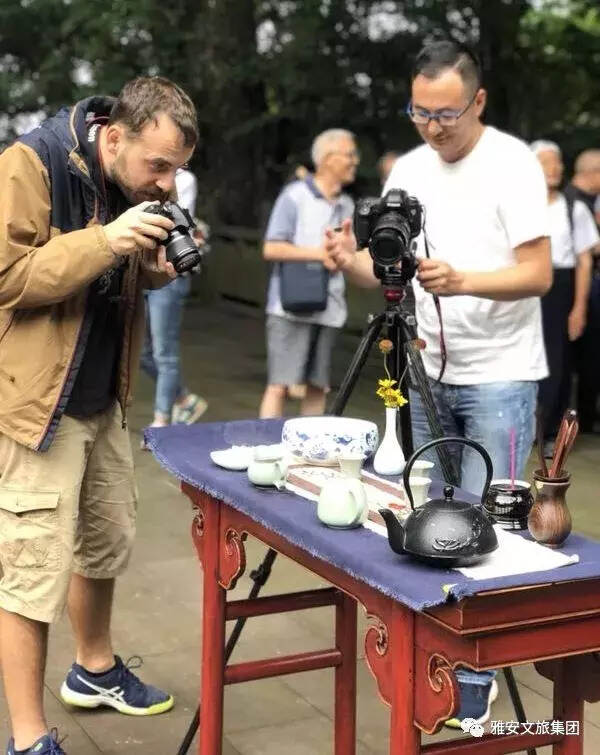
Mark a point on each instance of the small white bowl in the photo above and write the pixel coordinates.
(236, 458)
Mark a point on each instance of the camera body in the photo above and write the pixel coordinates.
(387, 225)
(181, 248)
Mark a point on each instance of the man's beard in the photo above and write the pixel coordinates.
(134, 195)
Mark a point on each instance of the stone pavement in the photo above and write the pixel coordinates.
(157, 612)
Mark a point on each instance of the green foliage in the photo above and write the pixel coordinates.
(267, 75)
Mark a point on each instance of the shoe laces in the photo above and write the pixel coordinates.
(127, 675)
(55, 743)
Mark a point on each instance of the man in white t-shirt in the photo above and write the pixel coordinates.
(486, 214)
(573, 234)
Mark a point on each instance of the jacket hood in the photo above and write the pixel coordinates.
(73, 128)
(86, 118)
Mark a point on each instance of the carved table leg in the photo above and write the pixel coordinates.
(405, 738)
(568, 706)
(345, 677)
(213, 637)
(436, 691)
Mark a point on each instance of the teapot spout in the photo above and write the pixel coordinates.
(395, 530)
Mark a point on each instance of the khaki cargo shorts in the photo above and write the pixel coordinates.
(69, 509)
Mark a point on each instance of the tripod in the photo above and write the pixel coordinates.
(400, 328)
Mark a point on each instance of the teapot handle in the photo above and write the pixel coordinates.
(357, 506)
(452, 439)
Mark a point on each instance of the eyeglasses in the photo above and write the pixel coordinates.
(352, 155)
(443, 117)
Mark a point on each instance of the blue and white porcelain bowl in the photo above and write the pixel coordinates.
(322, 440)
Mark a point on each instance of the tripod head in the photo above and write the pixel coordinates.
(393, 283)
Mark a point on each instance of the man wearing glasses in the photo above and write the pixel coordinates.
(486, 224)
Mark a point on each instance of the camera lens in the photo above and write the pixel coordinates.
(182, 252)
(390, 239)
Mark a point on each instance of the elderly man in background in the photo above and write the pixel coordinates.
(300, 343)
(585, 187)
(573, 234)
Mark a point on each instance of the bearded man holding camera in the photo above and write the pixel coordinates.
(77, 248)
(486, 224)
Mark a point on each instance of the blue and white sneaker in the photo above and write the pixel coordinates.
(46, 745)
(475, 704)
(190, 411)
(118, 688)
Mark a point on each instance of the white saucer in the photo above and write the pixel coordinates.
(235, 458)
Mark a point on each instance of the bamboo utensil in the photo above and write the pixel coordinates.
(569, 427)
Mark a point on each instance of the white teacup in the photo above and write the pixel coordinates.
(419, 487)
(421, 468)
(268, 467)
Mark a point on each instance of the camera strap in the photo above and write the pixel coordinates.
(438, 309)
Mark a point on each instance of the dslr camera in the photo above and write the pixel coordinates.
(181, 248)
(387, 225)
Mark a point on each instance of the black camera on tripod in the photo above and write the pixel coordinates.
(181, 248)
(387, 225)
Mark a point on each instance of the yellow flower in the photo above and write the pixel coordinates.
(392, 397)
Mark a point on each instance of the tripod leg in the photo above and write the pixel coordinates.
(395, 335)
(515, 697)
(259, 575)
(451, 474)
(358, 360)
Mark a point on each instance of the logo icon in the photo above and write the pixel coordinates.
(470, 726)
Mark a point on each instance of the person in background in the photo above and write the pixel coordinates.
(298, 392)
(573, 234)
(161, 356)
(385, 165)
(299, 347)
(585, 187)
(489, 264)
(585, 184)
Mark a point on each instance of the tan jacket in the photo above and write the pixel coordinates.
(44, 279)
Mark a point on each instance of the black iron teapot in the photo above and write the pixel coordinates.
(444, 532)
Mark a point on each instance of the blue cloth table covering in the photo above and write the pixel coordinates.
(185, 452)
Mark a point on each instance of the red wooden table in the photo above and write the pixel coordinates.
(411, 654)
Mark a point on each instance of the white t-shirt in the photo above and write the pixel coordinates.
(187, 190)
(567, 244)
(478, 210)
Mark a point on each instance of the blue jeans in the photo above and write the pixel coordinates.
(485, 413)
(161, 353)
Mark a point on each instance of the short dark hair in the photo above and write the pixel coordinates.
(142, 99)
(436, 57)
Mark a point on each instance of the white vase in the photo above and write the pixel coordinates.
(389, 459)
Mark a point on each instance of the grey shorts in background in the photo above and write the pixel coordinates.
(299, 352)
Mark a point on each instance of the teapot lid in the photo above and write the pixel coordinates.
(273, 452)
(449, 501)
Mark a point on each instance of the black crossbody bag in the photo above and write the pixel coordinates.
(304, 286)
